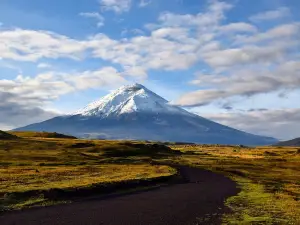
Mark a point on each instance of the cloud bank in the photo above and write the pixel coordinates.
(282, 123)
(239, 59)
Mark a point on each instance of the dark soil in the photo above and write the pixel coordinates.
(199, 199)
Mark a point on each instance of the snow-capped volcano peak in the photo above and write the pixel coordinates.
(133, 112)
(128, 99)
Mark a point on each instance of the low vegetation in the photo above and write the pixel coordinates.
(269, 179)
(39, 171)
(36, 170)
(6, 136)
(32, 134)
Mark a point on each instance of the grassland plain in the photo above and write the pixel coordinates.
(268, 177)
(33, 169)
(32, 134)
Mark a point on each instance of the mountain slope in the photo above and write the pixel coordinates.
(6, 136)
(294, 142)
(134, 112)
(129, 99)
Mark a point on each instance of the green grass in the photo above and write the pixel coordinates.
(33, 166)
(269, 179)
(26, 178)
(32, 134)
(28, 202)
(256, 205)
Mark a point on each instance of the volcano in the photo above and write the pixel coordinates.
(134, 112)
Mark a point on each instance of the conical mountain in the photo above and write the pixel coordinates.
(129, 99)
(135, 112)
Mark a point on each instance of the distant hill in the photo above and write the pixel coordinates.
(6, 136)
(33, 134)
(293, 142)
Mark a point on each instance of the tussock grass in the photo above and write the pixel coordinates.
(256, 205)
(32, 134)
(25, 178)
(269, 179)
(31, 166)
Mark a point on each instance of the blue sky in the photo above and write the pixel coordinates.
(234, 61)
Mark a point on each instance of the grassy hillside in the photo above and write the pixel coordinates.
(294, 142)
(32, 134)
(7, 136)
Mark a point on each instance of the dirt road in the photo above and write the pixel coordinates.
(198, 201)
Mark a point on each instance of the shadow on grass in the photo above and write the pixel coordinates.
(135, 149)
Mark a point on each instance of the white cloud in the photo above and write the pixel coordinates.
(136, 32)
(281, 123)
(137, 72)
(214, 14)
(169, 47)
(105, 77)
(16, 111)
(23, 98)
(176, 42)
(271, 15)
(97, 16)
(50, 85)
(29, 45)
(238, 27)
(247, 55)
(174, 33)
(147, 52)
(118, 6)
(250, 82)
(252, 61)
(285, 31)
(44, 66)
(144, 3)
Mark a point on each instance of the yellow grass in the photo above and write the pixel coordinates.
(35, 163)
(19, 179)
(269, 178)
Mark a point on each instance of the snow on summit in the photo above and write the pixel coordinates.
(133, 112)
(128, 99)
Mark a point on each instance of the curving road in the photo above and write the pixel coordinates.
(198, 201)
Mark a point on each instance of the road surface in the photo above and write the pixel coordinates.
(198, 201)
